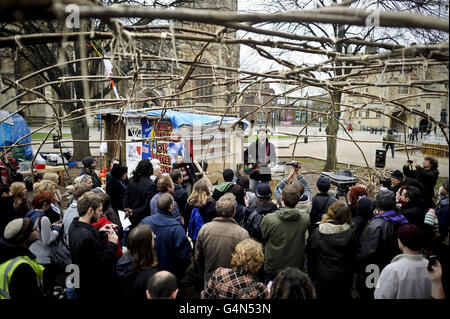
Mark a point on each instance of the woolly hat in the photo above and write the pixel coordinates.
(87, 161)
(323, 184)
(263, 191)
(18, 230)
(385, 200)
(411, 236)
(397, 175)
(228, 174)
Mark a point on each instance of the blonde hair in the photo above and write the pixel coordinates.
(51, 177)
(16, 189)
(44, 185)
(200, 193)
(248, 255)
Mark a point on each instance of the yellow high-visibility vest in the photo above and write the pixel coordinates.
(7, 269)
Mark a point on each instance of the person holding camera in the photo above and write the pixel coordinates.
(295, 176)
(95, 261)
(426, 175)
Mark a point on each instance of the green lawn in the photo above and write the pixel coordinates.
(41, 136)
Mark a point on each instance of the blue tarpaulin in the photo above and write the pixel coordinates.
(181, 118)
(9, 134)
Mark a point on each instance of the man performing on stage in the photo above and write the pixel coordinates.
(259, 159)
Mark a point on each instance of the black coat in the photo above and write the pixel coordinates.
(364, 213)
(426, 178)
(320, 204)
(137, 197)
(116, 192)
(133, 283)
(377, 244)
(330, 261)
(414, 212)
(8, 213)
(23, 284)
(96, 261)
(180, 196)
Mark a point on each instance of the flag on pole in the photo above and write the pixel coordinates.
(108, 68)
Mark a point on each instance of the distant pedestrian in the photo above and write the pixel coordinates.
(390, 138)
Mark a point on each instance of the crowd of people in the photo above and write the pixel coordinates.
(241, 239)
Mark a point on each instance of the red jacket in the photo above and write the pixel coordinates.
(102, 221)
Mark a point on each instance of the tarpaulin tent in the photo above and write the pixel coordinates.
(192, 135)
(12, 130)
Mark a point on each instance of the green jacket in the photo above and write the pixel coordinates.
(283, 234)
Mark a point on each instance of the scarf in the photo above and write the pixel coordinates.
(267, 151)
(393, 217)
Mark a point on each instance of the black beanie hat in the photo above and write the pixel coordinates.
(397, 175)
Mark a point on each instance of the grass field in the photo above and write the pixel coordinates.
(41, 136)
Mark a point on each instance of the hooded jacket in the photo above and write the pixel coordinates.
(172, 246)
(378, 241)
(283, 235)
(331, 252)
(221, 189)
(23, 284)
(133, 283)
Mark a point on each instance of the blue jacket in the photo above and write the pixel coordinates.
(154, 207)
(171, 244)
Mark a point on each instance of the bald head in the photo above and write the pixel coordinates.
(162, 285)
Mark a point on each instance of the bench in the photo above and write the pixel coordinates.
(48, 169)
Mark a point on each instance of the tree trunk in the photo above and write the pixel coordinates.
(80, 131)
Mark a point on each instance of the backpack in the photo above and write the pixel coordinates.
(195, 223)
(59, 250)
(253, 223)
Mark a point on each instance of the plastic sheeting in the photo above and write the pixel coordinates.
(9, 134)
(180, 118)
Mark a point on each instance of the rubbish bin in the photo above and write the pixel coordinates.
(55, 141)
(380, 158)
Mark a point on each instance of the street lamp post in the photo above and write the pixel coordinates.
(320, 119)
(306, 122)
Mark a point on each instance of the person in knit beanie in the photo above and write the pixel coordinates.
(24, 276)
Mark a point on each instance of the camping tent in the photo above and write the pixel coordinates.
(13, 129)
